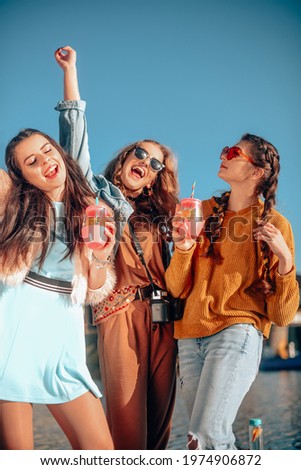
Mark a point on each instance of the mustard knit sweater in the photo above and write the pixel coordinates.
(220, 295)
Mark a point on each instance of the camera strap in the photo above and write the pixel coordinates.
(139, 252)
(166, 255)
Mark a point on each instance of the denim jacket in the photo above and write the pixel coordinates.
(74, 140)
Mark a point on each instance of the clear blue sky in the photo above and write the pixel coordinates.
(193, 74)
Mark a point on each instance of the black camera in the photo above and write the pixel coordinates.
(160, 306)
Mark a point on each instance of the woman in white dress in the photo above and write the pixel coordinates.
(47, 274)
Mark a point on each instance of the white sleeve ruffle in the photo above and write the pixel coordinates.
(95, 296)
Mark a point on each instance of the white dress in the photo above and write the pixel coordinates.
(42, 337)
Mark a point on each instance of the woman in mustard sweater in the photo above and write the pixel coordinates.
(238, 278)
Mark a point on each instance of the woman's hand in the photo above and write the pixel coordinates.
(65, 57)
(180, 233)
(103, 253)
(268, 233)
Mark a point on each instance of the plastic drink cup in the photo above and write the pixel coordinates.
(191, 209)
(94, 227)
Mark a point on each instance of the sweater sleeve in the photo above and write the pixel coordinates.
(283, 304)
(178, 276)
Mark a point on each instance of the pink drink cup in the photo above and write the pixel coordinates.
(191, 209)
(94, 227)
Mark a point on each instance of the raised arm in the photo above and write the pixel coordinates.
(66, 58)
(72, 120)
(74, 138)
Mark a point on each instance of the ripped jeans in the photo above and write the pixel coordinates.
(216, 372)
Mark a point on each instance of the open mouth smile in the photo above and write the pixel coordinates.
(138, 172)
(51, 171)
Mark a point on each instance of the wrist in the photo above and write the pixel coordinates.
(284, 267)
(70, 68)
(101, 263)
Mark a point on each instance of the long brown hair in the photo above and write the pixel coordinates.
(158, 205)
(29, 215)
(265, 156)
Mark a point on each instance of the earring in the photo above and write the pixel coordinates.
(147, 190)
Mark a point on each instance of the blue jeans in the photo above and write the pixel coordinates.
(216, 372)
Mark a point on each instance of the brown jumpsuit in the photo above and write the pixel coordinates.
(137, 357)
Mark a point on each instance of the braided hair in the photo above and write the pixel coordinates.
(214, 223)
(265, 156)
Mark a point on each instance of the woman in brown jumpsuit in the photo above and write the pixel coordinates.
(138, 357)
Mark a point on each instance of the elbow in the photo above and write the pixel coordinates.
(283, 322)
(288, 318)
(176, 287)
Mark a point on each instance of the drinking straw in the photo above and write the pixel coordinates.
(192, 189)
(97, 213)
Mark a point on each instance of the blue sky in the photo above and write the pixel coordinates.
(193, 74)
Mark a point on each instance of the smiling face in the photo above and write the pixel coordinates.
(136, 173)
(41, 165)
